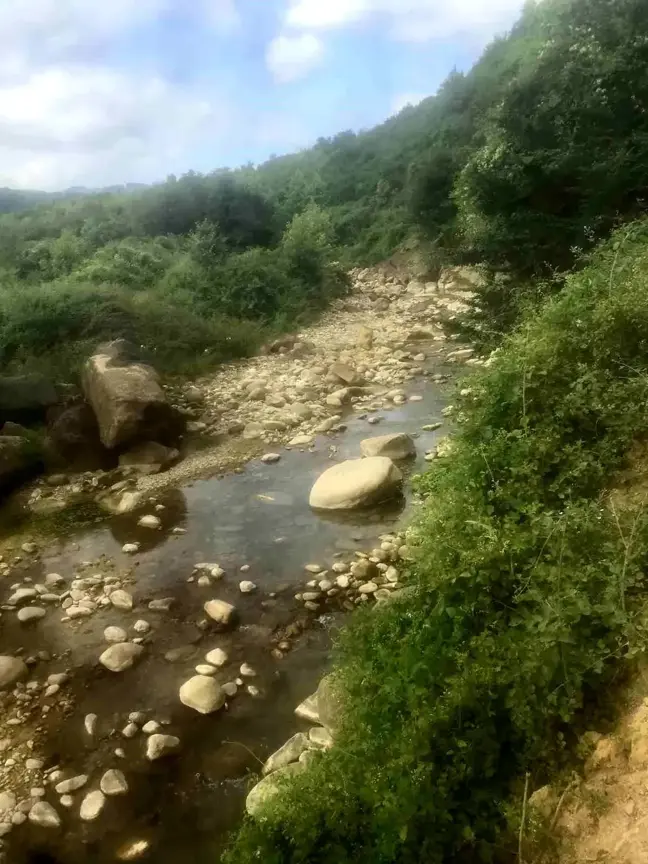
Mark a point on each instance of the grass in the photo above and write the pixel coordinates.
(530, 594)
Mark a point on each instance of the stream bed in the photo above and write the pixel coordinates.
(185, 806)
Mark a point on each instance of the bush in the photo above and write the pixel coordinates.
(529, 593)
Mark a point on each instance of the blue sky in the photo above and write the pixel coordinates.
(132, 90)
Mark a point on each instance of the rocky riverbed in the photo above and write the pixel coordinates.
(151, 664)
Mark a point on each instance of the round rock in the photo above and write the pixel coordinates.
(92, 805)
(120, 657)
(30, 613)
(44, 815)
(356, 483)
(158, 746)
(216, 657)
(202, 694)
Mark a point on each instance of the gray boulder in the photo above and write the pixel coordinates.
(12, 669)
(127, 398)
(17, 459)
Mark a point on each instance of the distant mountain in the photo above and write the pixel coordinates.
(15, 200)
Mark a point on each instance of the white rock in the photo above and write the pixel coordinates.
(247, 671)
(71, 785)
(90, 723)
(206, 669)
(92, 805)
(120, 657)
(151, 727)
(141, 626)
(267, 788)
(216, 657)
(247, 587)
(355, 483)
(130, 548)
(221, 612)
(158, 746)
(230, 688)
(271, 458)
(202, 694)
(21, 596)
(30, 613)
(44, 815)
(150, 522)
(115, 634)
(114, 782)
(133, 850)
(121, 600)
(396, 446)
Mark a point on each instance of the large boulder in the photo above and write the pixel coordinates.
(127, 398)
(25, 398)
(73, 436)
(356, 483)
(396, 446)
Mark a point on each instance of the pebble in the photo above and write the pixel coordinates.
(313, 568)
(247, 587)
(151, 727)
(130, 730)
(141, 626)
(202, 694)
(90, 723)
(113, 782)
(271, 458)
(253, 691)
(92, 805)
(368, 588)
(230, 688)
(133, 850)
(130, 548)
(150, 522)
(115, 634)
(206, 669)
(158, 746)
(67, 801)
(247, 671)
(216, 657)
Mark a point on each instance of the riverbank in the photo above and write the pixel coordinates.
(530, 601)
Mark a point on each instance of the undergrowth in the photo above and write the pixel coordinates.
(530, 589)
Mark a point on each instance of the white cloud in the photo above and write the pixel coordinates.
(402, 100)
(69, 118)
(70, 126)
(290, 57)
(407, 20)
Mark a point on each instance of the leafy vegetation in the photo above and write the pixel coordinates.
(522, 164)
(530, 588)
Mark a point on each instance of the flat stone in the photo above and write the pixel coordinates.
(30, 613)
(92, 805)
(12, 669)
(396, 446)
(289, 752)
(120, 657)
(221, 612)
(206, 669)
(158, 746)
(44, 815)
(90, 723)
(22, 595)
(163, 604)
(202, 694)
(368, 588)
(113, 782)
(71, 785)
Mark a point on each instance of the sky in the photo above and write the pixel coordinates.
(117, 91)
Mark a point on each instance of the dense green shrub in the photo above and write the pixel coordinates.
(529, 591)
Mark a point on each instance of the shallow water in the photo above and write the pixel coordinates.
(185, 806)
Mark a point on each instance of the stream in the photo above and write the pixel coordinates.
(185, 806)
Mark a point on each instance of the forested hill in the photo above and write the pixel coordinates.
(521, 164)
